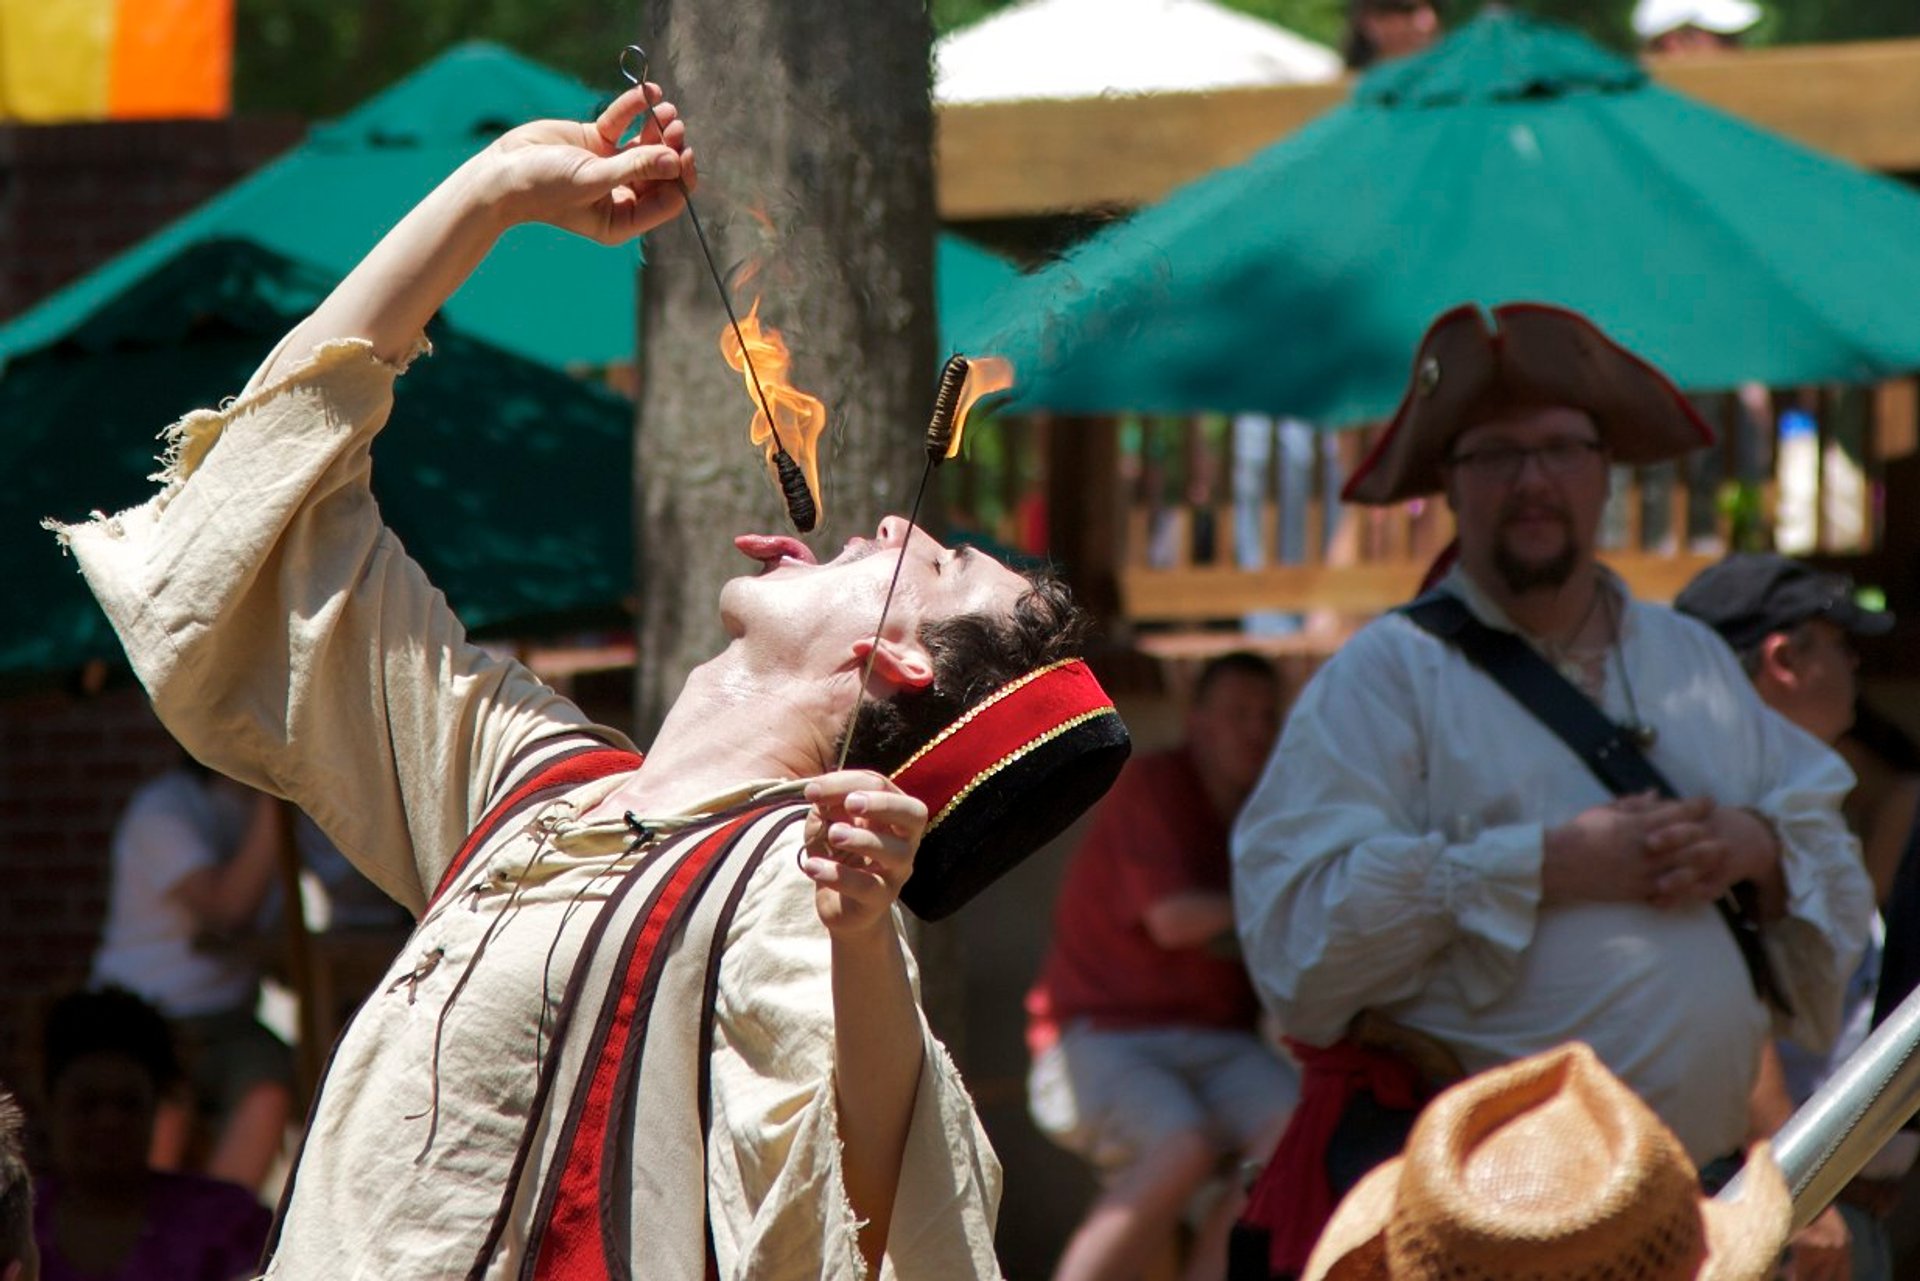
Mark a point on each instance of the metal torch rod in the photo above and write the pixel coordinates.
(1837, 1131)
(801, 508)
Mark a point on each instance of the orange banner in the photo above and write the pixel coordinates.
(171, 58)
(115, 59)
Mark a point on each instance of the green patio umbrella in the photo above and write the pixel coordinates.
(506, 479)
(1515, 160)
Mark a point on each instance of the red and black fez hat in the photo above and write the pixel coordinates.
(1007, 777)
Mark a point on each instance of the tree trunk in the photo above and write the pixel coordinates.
(813, 129)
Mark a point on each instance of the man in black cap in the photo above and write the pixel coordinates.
(1433, 876)
(1793, 627)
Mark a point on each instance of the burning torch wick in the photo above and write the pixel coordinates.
(946, 404)
(800, 508)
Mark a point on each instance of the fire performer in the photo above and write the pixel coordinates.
(656, 1019)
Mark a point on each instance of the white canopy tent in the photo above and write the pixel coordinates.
(1093, 48)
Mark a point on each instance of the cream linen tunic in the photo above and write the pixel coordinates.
(287, 640)
(1390, 858)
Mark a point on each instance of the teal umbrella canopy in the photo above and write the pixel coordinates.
(1515, 160)
(542, 293)
(507, 480)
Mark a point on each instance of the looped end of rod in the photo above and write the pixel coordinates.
(636, 73)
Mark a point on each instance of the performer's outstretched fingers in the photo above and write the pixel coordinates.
(620, 114)
(661, 125)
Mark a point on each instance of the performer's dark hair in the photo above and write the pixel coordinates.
(1240, 662)
(973, 655)
(109, 1020)
(16, 1189)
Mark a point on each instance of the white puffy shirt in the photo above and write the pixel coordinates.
(1390, 858)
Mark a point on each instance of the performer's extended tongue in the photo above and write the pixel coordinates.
(770, 549)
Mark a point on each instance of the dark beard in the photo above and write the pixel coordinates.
(1522, 576)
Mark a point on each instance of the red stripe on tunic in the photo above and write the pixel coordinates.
(571, 1249)
(587, 767)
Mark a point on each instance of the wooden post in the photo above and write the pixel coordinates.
(1083, 511)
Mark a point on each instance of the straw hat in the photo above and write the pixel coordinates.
(1532, 355)
(1550, 1168)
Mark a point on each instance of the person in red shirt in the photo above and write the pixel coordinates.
(1147, 1059)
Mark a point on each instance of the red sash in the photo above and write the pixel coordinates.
(1292, 1201)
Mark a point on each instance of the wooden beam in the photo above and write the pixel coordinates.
(1026, 159)
(1207, 593)
(1860, 101)
(1020, 159)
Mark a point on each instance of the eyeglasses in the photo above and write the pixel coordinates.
(1504, 463)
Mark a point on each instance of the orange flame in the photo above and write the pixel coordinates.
(985, 375)
(798, 418)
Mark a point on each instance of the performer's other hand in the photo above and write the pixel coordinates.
(861, 835)
(580, 175)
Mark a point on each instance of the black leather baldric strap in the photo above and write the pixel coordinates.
(1605, 747)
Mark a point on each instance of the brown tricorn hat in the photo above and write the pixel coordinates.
(1534, 355)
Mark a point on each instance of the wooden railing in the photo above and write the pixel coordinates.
(1184, 548)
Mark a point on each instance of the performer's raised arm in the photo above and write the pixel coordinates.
(286, 638)
(576, 175)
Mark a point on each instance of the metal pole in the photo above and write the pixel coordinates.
(1837, 1131)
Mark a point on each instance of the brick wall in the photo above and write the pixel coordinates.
(68, 763)
(72, 196)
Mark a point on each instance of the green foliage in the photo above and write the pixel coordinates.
(319, 58)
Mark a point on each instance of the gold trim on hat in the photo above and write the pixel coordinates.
(1016, 754)
(979, 707)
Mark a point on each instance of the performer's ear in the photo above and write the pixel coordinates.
(896, 664)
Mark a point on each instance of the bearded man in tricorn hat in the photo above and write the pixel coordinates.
(1529, 808)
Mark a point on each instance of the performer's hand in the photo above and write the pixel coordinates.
(580, 176)
(861, 835)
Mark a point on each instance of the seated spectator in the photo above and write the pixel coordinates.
(103, 1214)
(1383, 30)
(195, 860)
(1792, 627)
(1691, 28)
(19, 1259)
(1147, 1061)
(1550, 1167)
